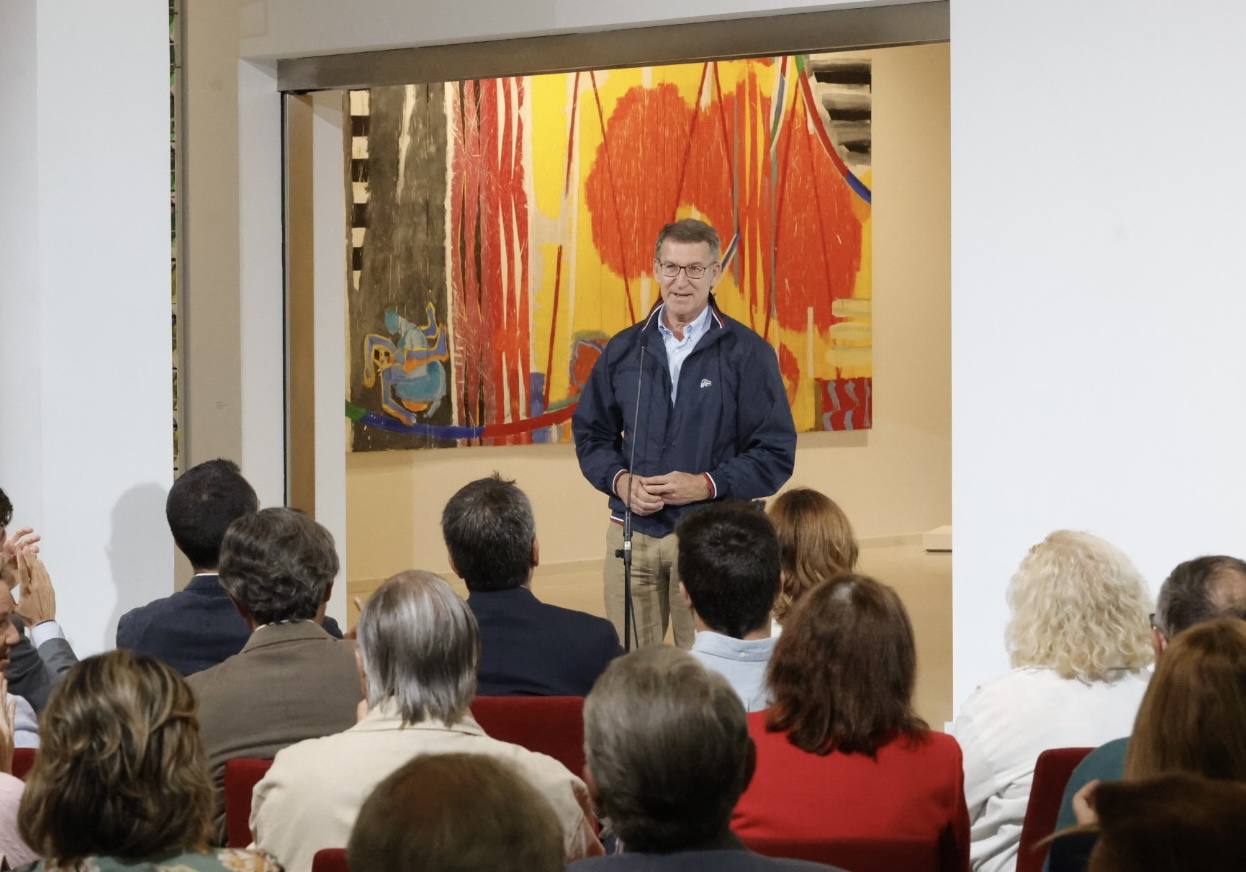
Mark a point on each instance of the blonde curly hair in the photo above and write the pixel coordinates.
(1079, 606)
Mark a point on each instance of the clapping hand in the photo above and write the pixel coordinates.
(34, 587)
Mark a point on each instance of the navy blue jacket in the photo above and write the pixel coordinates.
(530, 648)
(731, 417)
(191, 630)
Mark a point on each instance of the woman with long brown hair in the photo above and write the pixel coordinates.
(841, 755)
(121, 779)
(816, 544)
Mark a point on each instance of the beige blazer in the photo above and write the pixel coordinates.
(310, 797)
(290, 682)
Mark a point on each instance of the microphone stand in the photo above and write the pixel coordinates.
(625, 553)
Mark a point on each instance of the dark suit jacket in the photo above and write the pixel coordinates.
(191, 630)
(530, 648)
(32, 672)
(290, 682)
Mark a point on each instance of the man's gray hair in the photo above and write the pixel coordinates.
(689, 230)
(278, 563)
(420, 646)
(668, 748)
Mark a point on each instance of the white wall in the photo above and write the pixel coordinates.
(86, 389)
(1097, 289)
(297, 28)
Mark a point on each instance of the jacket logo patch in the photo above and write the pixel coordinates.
(705, 383)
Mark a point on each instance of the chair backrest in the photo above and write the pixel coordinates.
(552, 725)
(330, 860)
(858, 855)
(1051, 774)
(23, 759)
(241, 776)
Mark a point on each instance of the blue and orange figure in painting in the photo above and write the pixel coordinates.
(412, 370)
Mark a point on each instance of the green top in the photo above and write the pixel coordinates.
(216, 860)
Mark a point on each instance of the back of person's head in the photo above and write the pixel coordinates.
(202, 503)
(816, 543)
(419, 645)
(489, 532)
(1193, 715)
(842, 674)
(1171, 823)
(729, 565)
(6, 512)
(1080, 608)
(279, 564)
(456, 813)
(668, 751)
(1201, 590)
(121, 769)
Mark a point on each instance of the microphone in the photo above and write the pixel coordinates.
(625, 553)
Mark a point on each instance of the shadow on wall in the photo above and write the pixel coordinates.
(138, 552)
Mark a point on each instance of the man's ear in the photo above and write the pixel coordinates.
(328, 592)
(536, 552)
(683, 592)
(454, 566)
(1158, 643)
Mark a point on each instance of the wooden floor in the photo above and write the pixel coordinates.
(923, 580)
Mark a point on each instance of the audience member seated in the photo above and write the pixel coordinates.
(121, 781)
(527, 646)
(816, 543)
(291, 680)
(38, 663)
(198, 627)
(456, 813)
(25, 724)
(1192, 719)
(729, 577)
(1197, 590)
(668, 756)
(13, 851)
(418, 650)
(840, 753)
(1079, 645)
(1170, 823)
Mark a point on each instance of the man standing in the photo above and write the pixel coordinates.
(712, 422)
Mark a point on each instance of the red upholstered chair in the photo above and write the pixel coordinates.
(858, 855)
(23, 759)
(552, 725)
(241, 776)
(330, 860)
(1051, 775)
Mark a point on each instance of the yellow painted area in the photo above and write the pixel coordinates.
(591, 296)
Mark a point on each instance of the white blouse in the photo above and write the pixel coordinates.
(1008, 722)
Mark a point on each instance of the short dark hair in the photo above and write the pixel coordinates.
(842, 674)
(1200, 590)
(202, 503)
(6, 509)
(729, 564)
(667, 745)
(456, 813)
(489, 531)
(278, 563)
(689, 230)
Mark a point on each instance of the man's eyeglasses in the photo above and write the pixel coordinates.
(692, 270)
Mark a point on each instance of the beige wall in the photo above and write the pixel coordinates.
(893, 479)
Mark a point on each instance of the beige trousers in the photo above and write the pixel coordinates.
(656, 600)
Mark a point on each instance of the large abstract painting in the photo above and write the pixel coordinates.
(502, 230)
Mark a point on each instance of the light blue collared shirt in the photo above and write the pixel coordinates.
(677, 350)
